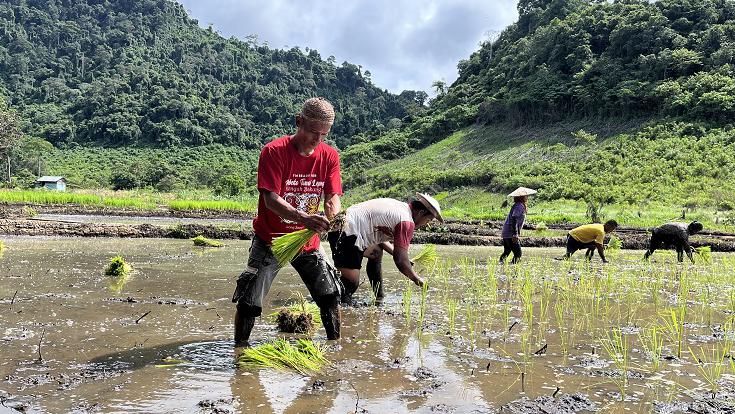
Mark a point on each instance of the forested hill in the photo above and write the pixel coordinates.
(122, 72)
(626, 101)
(571, 58)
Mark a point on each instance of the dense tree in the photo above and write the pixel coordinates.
(10, 135)
(118, 73)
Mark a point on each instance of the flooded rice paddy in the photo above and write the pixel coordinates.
(544, 336)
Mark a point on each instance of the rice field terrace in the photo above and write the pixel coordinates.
(541, 336)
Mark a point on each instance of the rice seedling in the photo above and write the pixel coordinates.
(705, 253)
(617, 348)
(422, 304)
(452, 314)
(674, 325)
(406, 300)
(652, 342)
(712, 365)
(304, 356)
(170, 362)
(427, 257)
(205, 242)
(2, 247)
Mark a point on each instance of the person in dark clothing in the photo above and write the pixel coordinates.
(514, 223)
(674, 235)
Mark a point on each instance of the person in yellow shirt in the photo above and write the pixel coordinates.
(589, 236)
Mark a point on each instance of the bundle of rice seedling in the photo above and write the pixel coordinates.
(427, 257)
(615, 243)
(120, 272)
(205, 242)
(299, 317)
(286, 247)
(118, 267)
(705, 252)
(303, 356)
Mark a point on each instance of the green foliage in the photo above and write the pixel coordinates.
(704, 252)
(143, 73)
(229, 185)
(205, 242)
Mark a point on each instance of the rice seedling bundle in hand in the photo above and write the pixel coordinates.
(205, 242)
(427, 257)
(286, 247)
(303, 356)
(705, 252)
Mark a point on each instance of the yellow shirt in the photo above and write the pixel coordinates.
(589, 233)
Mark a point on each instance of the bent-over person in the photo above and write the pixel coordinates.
(376, 225)
(589, 236)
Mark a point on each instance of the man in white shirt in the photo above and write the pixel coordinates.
(369, 228)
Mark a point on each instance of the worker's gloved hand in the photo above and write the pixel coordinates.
(419, 281)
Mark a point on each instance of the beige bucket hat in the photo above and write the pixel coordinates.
(522, 191)
(431, 204)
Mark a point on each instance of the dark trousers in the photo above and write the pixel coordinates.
(511, 246)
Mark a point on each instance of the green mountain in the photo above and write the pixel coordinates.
(626, 103)
(143, 73)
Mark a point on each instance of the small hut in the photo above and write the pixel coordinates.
(52, 183)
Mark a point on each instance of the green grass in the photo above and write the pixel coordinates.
(136, 200)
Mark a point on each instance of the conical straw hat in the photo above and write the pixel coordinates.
(522, 191)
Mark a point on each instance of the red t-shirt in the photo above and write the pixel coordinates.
(300, 180)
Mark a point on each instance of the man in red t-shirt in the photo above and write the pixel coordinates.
(293, 174)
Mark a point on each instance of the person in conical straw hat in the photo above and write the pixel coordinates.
(514, 224)
(375, 226)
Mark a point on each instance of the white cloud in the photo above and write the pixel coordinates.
(404, 44)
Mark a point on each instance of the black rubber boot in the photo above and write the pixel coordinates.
(331, 318)
(375, 275)
(243, 327)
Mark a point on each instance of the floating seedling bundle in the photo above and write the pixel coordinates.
(205, 242)
(303, 356)
(120, 273)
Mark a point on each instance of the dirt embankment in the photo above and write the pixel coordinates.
(485, 233)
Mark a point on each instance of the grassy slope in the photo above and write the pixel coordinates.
(471, 170)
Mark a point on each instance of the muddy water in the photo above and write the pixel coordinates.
(106, 351)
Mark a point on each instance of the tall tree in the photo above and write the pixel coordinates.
(10, 134)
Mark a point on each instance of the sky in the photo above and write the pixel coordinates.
(405, 44)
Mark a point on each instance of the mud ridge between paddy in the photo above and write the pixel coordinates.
(450, 233)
